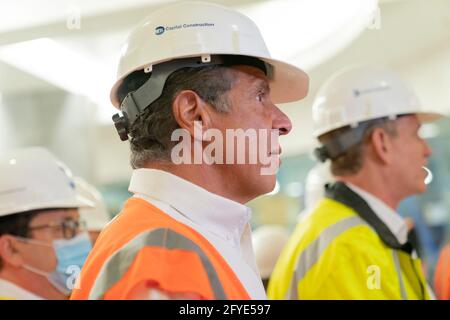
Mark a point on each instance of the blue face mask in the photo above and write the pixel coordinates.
(71, 255)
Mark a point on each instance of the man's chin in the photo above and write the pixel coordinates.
(422, 187)
(266, 184)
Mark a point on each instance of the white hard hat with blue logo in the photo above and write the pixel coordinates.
(360, 93)
(357, 97)
(196, 34)
(32, 179)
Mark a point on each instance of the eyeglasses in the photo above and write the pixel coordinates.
(68, 227)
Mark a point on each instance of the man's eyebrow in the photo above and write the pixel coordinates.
(263, 85)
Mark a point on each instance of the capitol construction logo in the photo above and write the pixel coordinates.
(159, 30)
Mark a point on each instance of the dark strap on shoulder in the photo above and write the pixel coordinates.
(343, 194)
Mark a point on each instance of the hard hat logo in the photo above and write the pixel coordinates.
(67, 173)
(159, 30)
(383, 87)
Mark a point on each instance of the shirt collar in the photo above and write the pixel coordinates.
(390, 218)
(222, 216)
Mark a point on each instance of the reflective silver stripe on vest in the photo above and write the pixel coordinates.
(399, 274)
(118, 264)
(311, 254)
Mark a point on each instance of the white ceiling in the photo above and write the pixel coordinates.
(410, 30)
(103, 26)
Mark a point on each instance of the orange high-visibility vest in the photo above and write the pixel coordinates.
(442, 274)
(143, 246)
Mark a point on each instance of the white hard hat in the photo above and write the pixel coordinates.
(316, 179)
(98, 216)
(268, 242)
(363, 93)
(196, 29)
(32, 178)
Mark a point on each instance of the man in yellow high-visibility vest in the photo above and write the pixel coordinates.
(353, 244)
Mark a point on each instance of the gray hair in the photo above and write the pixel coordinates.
(352, 160)
(151, 132)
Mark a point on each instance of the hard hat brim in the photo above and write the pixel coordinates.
(76, 202)
(424, 117)
(289, 82)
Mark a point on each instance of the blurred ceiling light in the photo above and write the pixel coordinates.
(310, 32)
(49, 60)
(428, 131)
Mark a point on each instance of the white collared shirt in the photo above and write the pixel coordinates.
(390, 218)
(223, 222)
(9, 290)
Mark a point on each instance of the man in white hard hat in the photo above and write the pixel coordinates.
(185, 234)
(97, 217)
(42, 246)
(354, 245)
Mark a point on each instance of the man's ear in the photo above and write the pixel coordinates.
(8, 253)
(189, 108)
(382, 146)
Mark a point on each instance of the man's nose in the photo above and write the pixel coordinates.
(427, 149)
(281, 122)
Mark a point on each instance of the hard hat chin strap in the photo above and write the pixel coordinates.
(137, 101)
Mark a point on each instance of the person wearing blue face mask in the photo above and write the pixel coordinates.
(43, 243)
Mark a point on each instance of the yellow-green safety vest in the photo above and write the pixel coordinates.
(342, 250)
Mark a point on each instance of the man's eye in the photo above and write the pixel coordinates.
(260, 96)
